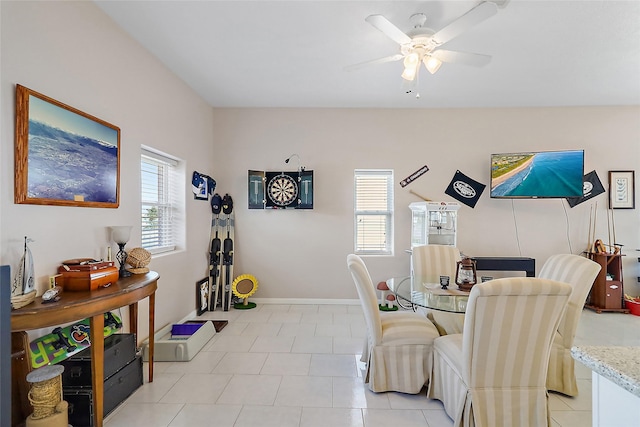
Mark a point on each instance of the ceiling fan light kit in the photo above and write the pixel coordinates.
(432, 64)
(411, 64)
(422, 44)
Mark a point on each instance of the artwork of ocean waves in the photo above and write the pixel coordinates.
(64, 165)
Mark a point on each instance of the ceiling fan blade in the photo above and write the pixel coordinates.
(473, 17)
(474, 59)
(391, 58)
(388, 29)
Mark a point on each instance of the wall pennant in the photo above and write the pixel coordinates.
(465, 189)
(417, 174)
(591, 187)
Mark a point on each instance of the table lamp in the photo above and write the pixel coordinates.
(121, 234)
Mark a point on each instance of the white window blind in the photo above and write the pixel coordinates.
(158, 186)
(373, 212)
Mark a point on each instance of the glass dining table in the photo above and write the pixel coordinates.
(412, 293)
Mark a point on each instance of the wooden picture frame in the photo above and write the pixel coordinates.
(622, 190)
(202, 295)
(63, 156)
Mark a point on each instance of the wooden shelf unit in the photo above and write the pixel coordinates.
(607, 295)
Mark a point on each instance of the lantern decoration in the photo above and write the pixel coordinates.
(466, 274)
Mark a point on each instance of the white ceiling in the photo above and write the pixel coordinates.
(293, 53)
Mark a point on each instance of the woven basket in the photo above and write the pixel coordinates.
(138, 259)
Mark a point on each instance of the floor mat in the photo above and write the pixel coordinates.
(220, 324)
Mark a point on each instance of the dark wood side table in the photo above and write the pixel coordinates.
(607, 291)
(74, 306)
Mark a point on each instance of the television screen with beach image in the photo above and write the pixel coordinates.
(548, 174)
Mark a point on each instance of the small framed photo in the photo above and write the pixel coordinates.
(202, 295)
(203, 191)
(622, 190)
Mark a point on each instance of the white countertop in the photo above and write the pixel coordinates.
(618, 364)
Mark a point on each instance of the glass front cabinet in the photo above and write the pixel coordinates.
(434, 223)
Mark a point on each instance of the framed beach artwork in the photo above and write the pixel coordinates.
(63, 156)
(622, 190)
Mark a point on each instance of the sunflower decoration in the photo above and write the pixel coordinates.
(243, 287)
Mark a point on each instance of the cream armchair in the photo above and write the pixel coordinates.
(494, 373)
(429, 262)
(579, 272)
(399, 343)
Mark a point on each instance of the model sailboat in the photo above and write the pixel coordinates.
(23, 289)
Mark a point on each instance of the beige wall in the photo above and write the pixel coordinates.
(72, 52)
(301, 254)
(75, 54)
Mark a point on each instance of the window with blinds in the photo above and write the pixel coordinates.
(373, 201)
(158, 186)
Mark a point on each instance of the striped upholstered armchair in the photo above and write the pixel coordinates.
(429, 262)
(579, 272)
(399, 343)
(494, 373)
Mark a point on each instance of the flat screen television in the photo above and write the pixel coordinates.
(546, 174)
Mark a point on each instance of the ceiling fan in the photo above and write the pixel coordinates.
(422, 44)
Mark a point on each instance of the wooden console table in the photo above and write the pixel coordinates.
(528, 265)
(74, 306)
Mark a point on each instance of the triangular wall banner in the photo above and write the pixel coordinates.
(465, 189)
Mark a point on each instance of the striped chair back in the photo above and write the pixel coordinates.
(429, 262)
(509, 325)
(579, 272)
(368, 298)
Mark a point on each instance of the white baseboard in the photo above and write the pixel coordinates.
(288, 301)
(303, 301)
(190, 316)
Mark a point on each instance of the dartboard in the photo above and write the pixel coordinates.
(282, 190)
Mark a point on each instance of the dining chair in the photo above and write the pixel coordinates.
(579, 272)
(494, 373)
(400, 343)
(428, 263)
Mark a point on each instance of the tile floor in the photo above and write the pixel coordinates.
(298, 365)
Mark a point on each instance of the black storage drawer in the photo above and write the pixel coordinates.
(119, 349)
(116, 389)
(80, 402)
